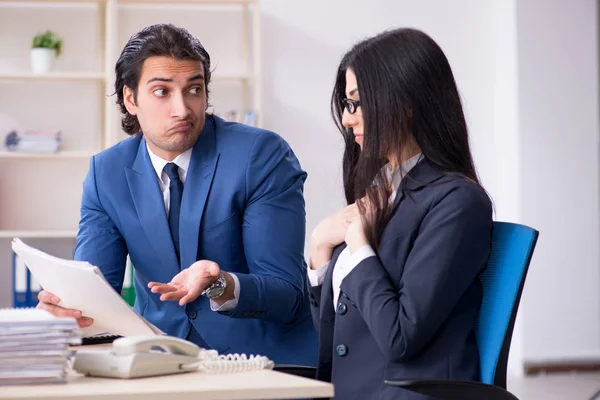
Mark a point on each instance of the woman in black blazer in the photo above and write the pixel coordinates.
(393, 276)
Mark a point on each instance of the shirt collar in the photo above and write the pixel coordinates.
(401, 172)
(182, 161)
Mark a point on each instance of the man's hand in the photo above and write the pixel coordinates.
(49, 302)
(187, 285)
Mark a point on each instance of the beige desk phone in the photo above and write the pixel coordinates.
(140, 356)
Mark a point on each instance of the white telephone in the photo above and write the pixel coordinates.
(139, 356)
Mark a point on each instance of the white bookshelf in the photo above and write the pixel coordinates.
(47, 156)
(40, 193)
(41, 234)
(58, 76)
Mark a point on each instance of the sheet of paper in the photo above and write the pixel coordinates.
(82, 286)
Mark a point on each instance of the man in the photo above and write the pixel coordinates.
(211, 213)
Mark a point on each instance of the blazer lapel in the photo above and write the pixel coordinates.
(150, 207)
(195, 192)
(419, 176)
(327, 308)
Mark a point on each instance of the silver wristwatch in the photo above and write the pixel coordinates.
(217, 288)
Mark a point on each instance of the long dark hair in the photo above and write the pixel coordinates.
(156, 40)
(407, 92)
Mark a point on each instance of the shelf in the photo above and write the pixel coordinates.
(59, 155)
(92, 76)
(57, 76)
(77, 3)
(230, 77)
(49, 3)
(54, 234)
(175, 2)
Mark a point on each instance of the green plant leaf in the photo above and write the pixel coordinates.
(47, 40)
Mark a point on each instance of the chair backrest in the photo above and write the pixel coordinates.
(503, 280)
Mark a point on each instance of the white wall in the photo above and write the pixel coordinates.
(558, 137)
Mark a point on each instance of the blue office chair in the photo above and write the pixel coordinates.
(503, 280)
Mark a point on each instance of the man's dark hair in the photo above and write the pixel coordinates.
(156, 40)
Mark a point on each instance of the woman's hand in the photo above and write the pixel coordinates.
(355, 235)
(329, 233)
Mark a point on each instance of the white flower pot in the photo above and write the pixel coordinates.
(42, 60)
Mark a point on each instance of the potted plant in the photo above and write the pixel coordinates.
(46, 47)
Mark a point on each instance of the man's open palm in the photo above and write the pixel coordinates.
(187, 285)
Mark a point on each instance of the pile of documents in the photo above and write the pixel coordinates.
(34, 346)
(33, 141)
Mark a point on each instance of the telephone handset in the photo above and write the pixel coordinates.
(139, 356)
(145, 344)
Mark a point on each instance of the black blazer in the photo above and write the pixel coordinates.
(410, 311)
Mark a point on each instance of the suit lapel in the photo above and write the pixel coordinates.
(419, 176)
(327, 309)
(195, 192)
(150, 207)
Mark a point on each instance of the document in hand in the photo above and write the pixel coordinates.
(82, 286)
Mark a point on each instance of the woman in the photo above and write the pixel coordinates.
(394, 276)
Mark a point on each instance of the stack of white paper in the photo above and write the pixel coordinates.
(34, 346)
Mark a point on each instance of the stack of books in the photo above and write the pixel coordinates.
(247, 118)
(34, 346)
(33, 141)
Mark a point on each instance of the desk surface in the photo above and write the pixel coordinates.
(263, 384)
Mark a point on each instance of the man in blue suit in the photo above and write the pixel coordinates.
(210, 212)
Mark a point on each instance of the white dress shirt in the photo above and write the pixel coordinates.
(183, 162)
(346, 262)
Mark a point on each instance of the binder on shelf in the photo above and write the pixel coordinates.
(20, 283)
(34, 290)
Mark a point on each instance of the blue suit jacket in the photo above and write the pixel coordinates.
(242, 207)
(410, 311)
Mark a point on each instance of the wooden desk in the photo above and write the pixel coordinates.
(264, 384)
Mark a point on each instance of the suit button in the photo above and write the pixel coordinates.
(341, 309)
(313, 303)
(192, 314)
(341, 350)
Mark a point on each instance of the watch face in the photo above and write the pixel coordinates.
(215, 292)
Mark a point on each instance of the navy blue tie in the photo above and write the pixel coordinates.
(176, 192)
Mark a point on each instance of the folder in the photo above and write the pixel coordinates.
(34, 290)
(81, 286)
(20, 284)
(128, 290)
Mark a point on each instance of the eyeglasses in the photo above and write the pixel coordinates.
(351, 105)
